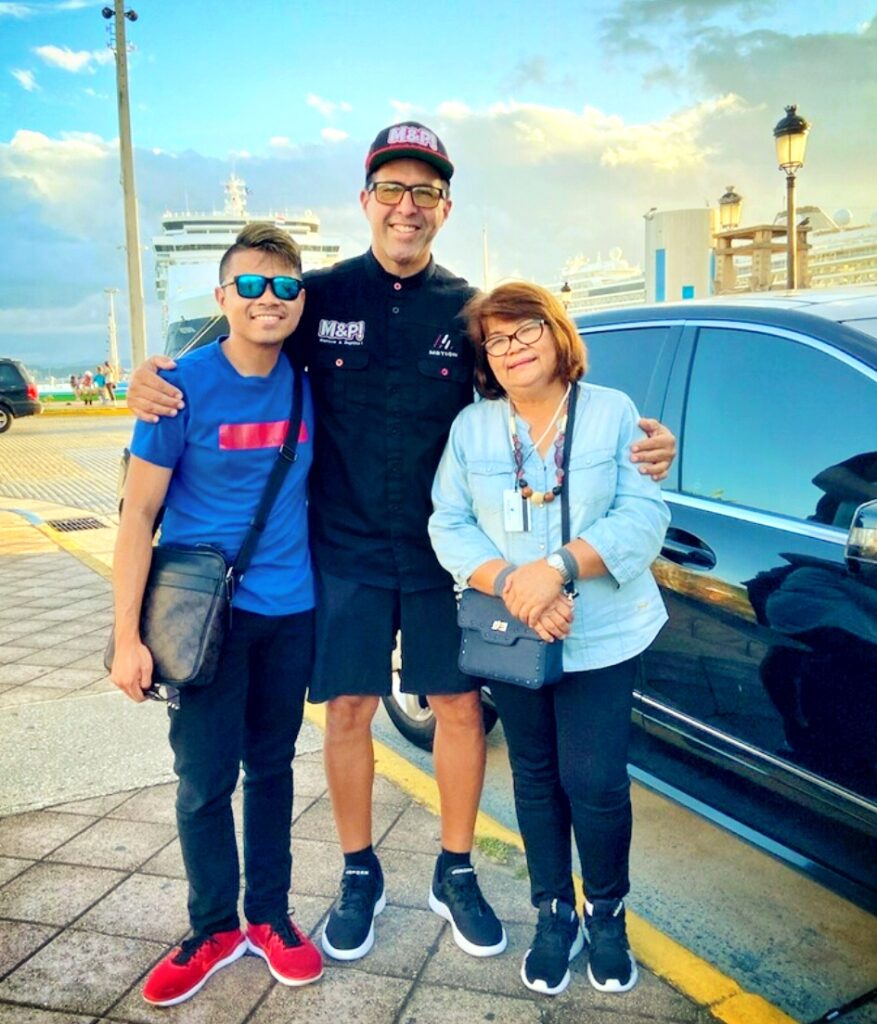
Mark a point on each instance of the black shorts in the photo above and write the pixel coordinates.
(356, 633)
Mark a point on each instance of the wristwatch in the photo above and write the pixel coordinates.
(556, 562)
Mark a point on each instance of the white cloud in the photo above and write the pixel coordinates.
(327, 107)
(405, 110)
(453, 110)
(278, 141)
(334, 135)
(26, 79)
(15, 11)
(74, 61)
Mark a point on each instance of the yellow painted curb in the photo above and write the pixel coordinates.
(81, 410)
(685, 971)
(64, 542)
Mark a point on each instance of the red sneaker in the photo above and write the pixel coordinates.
(291, 956)
(185, 969)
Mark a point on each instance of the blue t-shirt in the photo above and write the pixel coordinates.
(221, 448)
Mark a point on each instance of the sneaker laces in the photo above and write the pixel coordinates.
(356, 891)
(190, 948)
(467, 891)
(283, 930)
(552, 930)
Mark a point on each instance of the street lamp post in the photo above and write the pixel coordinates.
(112, 343)
(126, 156)
(790, 136)
(730, 205)
(566, 295)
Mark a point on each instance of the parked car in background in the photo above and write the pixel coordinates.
(758, 700)
(18, 393)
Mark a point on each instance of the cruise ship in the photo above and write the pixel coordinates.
(187, 254)
(590, 285)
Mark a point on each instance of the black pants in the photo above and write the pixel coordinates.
(568, 751)
(249, 715)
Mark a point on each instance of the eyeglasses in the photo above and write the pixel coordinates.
(527, 334)
(171, 696)
(390, 193)
(252, 286)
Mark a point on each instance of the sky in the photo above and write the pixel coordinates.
(567, 120)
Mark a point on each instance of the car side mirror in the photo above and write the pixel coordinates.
(861, 548)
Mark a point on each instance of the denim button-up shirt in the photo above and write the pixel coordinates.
(613, 507)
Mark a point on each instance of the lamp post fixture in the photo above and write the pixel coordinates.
(112, 345)
(790, 136)
(566, 296)
(730, 205)
(129, 194)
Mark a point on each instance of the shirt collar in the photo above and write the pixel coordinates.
(391, 280)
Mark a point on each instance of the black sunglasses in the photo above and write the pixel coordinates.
(252, 286)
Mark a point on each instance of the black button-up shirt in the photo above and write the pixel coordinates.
(390, 368)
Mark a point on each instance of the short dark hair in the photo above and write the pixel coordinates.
(264, 237)
(519, 300)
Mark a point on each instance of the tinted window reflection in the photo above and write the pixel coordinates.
(776, 425)
(625, 359)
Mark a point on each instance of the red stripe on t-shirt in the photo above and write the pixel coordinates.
(245, 436)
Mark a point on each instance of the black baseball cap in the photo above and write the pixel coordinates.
(412, 141)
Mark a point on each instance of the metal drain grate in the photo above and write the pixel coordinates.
(68, 525)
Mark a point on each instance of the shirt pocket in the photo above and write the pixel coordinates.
(593, 476)
(488, 478)
(344, 376)
(444, 386)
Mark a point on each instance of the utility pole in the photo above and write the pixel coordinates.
(129, 193)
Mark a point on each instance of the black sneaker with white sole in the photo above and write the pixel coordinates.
(557, 941)
(611, 966)
(349, 933)
(457, 898)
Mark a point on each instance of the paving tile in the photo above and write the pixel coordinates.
(376, 1000)
(9, 653)
(28, 1015)
(317, 822)
(142, 907)
(404, 938)
(61, 614)
(309, 775)
(227, 998)
(12, 866)
(20, 673)
(309, 911)
(83, 972)
(36, 833)
(435, 1004)
(94, 660)
(417, 830)
(316, 866)
(29, 693)
(63, 678)
(96, 641)
(20, 939)
(168, 862)
(54, 893)
(155, 804)
(23, 628)
(501, 974)
(51, 656)
(301, 804)
(386, 792)
(97, 805)
(115, 843)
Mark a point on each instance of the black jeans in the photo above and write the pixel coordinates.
(568, 751)
(249, 715)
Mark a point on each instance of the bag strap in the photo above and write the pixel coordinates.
(564, 494)
(285, 458)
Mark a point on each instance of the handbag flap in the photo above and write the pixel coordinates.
(489, 616)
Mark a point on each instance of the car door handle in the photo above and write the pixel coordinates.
(684, 548)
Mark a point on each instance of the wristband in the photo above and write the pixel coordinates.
(501, 577)
(569, 560)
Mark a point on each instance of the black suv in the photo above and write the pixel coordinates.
(759, 697)
(18, 393)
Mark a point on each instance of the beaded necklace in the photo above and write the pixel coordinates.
(527, 492)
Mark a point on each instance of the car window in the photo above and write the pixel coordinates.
(625, 359)
(780, 426)
(9, 376)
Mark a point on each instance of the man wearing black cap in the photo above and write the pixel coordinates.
(390, 367)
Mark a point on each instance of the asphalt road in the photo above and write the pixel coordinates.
(754, 918)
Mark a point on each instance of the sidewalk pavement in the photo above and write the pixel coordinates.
(92, 889)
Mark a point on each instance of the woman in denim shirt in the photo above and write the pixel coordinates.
(567, 743)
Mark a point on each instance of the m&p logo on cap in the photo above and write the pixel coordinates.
(415, 134)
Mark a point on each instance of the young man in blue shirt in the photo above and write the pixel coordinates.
(208, 466)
